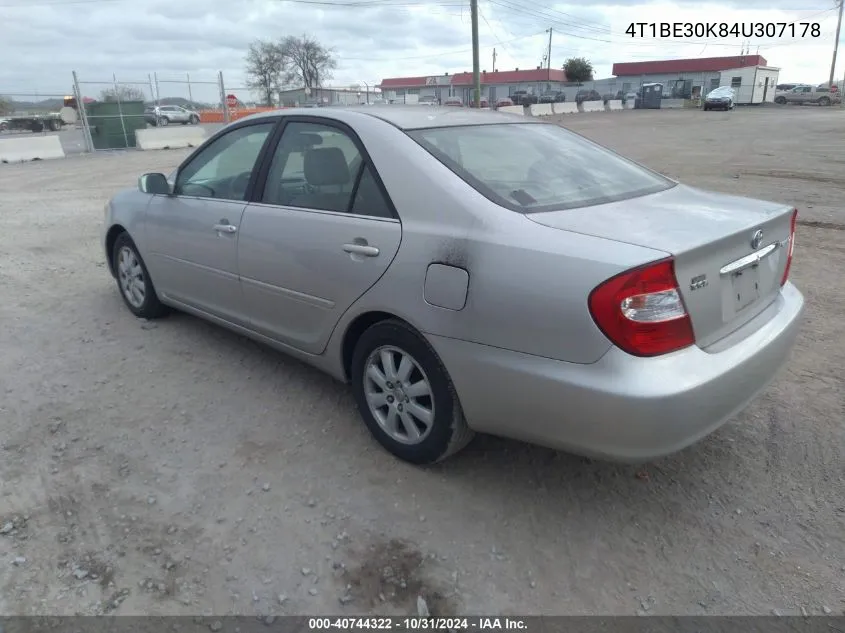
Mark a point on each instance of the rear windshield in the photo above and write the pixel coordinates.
(530, 167)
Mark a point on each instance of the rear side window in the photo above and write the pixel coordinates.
(529, 167)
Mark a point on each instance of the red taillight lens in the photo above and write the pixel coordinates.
(641, 311)
(791, 247)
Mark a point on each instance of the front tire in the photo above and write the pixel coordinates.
(164, 121)
(133, 280)
(195, 120)
(405, 395)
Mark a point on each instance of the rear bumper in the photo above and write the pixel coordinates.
(621, 408)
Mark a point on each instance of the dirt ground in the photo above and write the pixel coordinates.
(174, 468)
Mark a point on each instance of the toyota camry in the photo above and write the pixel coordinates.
(469, 271)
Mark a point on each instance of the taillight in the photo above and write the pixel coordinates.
(641, 310)
(791, 247)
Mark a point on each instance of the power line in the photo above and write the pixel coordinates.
(432, 56)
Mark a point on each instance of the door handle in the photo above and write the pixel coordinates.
(361, 249)
(225, 228)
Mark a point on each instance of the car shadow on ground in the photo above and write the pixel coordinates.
(489, 464)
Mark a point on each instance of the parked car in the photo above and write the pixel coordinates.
(483, 103)
(820, 95)
(552, 96)
(720, 99)
(504, 102)
(428, 100)
(590, 305)
(587, 95)
(523, 97)
(454, 102)
(167, 114)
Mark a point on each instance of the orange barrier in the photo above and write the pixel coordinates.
(216, 116)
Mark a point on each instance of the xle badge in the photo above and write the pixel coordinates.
(696, 283)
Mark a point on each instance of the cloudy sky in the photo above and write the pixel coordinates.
(44, 40)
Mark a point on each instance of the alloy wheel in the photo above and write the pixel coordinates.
(131, 276)
(399, 395)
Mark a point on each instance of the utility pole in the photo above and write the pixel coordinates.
(494, 60)
(549, 55)
(836, 43)
(476, 73)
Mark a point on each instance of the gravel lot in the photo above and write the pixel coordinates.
(174, 468)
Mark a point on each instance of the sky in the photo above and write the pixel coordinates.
(136, 41)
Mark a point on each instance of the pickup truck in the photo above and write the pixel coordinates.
(820, 95)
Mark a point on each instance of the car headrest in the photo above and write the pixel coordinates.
(326, 166)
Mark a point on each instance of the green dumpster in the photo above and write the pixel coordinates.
(113, 124)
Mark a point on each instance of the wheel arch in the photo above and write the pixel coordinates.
(357, 327)
(111, 237)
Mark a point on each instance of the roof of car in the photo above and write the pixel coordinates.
(408, 117)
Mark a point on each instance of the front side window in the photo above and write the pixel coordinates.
(318, 166)
(223, 169)
(545, 168)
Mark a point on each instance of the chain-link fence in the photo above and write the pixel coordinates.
(109, 111)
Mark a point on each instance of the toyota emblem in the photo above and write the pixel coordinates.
(757, 239)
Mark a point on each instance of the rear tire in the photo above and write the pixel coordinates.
(824, 101)
(405, 395)
(133, 280)
(780, 100)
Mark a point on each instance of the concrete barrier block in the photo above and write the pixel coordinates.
(170, 137)
(565, 108)
(628, 105)
(614, 105)
(672, 103)
(35, 147)
(513, 110)
(541, 109)
(592, 106)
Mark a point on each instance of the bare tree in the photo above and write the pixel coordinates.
(122, 92)
(309, 63)
(265, 66)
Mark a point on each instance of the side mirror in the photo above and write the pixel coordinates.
(155, 184)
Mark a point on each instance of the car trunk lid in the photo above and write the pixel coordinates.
(730, 252)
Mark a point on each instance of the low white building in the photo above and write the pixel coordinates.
(751, 84)
(749, 75)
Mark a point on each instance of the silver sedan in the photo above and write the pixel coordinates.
(471, 272)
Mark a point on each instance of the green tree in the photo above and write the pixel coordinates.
(6, 106)
(578, 70)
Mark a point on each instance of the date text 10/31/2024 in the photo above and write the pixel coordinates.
(682, 30)
(418, 623)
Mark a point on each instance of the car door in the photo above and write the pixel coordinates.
(192, 235)
(320, 233)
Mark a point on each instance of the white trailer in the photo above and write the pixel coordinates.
(751, 84)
